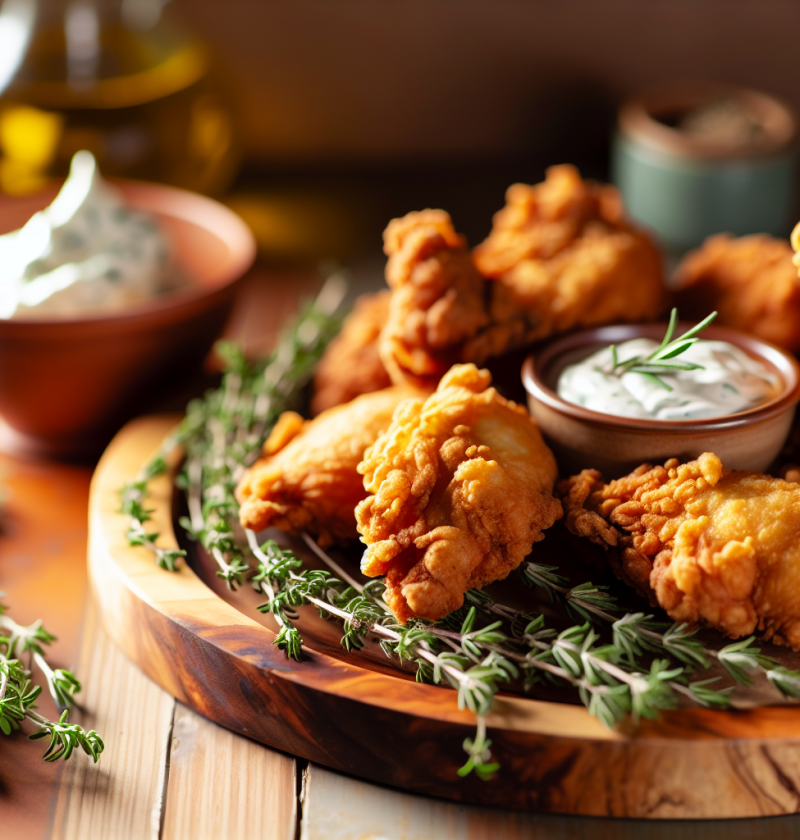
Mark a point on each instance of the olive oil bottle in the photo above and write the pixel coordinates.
(113, 77)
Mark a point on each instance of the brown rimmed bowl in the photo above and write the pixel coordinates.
(66, 385)
(582, 438)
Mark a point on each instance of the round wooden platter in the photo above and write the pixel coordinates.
(349, 713)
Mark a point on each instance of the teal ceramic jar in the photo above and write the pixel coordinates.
(735, 174)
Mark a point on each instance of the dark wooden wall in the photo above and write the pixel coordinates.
(383, 80)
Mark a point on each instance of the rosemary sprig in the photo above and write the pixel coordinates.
(18, 694)
(661, 361)
(585, 601)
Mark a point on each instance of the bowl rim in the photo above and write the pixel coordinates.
(537, 363)
(176, 203)
(638, 121)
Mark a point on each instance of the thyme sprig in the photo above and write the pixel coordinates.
(133, 505)
(477, 659)
(223, 433)
(18, 694)
(661, 361)
(620, 663)
(613, 680)
(637, 633)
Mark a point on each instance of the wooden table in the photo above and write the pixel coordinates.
(169, 774)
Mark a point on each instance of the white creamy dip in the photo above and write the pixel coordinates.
(86, 252)
(730, 381)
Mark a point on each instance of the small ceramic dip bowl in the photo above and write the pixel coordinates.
(582, 438)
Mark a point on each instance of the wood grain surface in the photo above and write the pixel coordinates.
(122, 794)
(43, 573)
(166, 773)
(219, 779)
(341, 808)
(555, 757)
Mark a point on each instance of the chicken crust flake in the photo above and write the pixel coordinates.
(437, 301)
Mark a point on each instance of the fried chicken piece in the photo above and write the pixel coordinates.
(307, 479)
(351, 364)
(707, 544)
(461, 487)
(437, 301)
(560, 255)
(566, 256)
(751, 281)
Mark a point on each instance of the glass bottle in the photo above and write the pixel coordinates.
(113, 77)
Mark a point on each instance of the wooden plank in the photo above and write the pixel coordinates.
(223, 785)
(337, 807)
(120, 798)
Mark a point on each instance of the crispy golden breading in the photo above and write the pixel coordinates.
(437, 301)
(560, 255)
(541, 221)
(751, 281)
(351, 364)
(461, 487)
(566, 257)
(707, 544)
(307, 479)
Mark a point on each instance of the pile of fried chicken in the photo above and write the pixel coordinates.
(449, 484)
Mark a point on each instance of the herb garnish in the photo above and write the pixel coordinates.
(18, 694)
(620, 663)
(660, 362)
(645, 667)
(223, 434)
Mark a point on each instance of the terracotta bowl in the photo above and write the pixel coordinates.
(66, 385)
(581, 438)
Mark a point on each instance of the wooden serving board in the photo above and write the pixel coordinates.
(354, 714)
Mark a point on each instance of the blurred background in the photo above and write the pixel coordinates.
(320, 120)
(397, 105)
